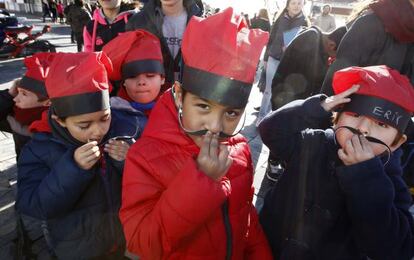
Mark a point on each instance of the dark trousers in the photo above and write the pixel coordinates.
(79, 41)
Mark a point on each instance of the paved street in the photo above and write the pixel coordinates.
(12, 69)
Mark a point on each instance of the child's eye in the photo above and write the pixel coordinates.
(105, 118)
(203, 106)
(83, 127)
(355, 115)
(233, 113)
(381, 124)
(150, 75)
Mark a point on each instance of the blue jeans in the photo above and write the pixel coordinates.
(266, 105)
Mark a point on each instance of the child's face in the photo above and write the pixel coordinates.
(201, 114)
(110, 4)
(145, 87)
(88, 127)
(370, 127)
(26, 99)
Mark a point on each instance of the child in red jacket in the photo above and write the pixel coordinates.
(187, 187)
(138, 67)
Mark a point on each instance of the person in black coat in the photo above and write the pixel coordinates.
(304, 64)
(342, 195)
(152, 18)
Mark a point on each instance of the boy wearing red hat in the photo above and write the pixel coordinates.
(187, 187)
(342, 195)
(71, 179)
(138, 65)
(25, 101)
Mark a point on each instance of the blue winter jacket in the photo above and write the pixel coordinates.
(322, 209)
(80, 207)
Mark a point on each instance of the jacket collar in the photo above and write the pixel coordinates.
(163, 125)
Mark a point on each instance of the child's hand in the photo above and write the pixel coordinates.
(87, 155)
(117, 149)
(356, 150)
(213, 159)
(330, 103)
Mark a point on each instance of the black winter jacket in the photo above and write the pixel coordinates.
(322, 209)
(151, 19)
(302, 69)
(78, 17)
(366, 44)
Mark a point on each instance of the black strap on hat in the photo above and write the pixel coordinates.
(380, 109)
(91, 102)
(134, 68)
(220, 89)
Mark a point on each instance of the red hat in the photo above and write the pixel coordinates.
(384, 94)
(221, 55)
(37, 70)
(140, 53)
(78, 83)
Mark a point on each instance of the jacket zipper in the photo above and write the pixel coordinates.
(227, 226)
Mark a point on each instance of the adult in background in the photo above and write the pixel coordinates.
(66, 12)
(108, 21)
(45, 10)
(167, 19)
(261, 21)
(78, 16)
(59, 8)
(325, 20)
(382, 33)
(290, 19)
(53, 10)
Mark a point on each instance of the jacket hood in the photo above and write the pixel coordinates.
(123, 14)
(163, 123)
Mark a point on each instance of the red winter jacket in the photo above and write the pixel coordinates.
(171, 210)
